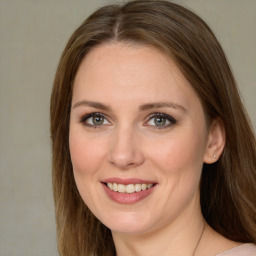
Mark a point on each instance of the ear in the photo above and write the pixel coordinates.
(216, 142)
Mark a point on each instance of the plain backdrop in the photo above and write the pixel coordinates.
(33, 34)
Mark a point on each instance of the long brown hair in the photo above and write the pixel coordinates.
(228, 190)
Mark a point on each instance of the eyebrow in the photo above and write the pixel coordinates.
(143, 107)
(92, 104)
(162, 105)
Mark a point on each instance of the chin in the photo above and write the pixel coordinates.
(127, 222)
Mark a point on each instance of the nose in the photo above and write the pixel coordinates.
(125, 149)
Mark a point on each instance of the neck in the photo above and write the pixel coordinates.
(179, 238)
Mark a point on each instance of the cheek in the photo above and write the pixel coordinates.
(86, 153)
(86, 157)
(180, 150)
(179, 157)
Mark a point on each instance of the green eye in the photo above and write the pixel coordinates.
(94, 120)
(160, 120)
(97, 120)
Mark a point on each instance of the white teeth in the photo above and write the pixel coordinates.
(110, 185)
(121, 188)
(114, 186)
(150, 185)
(137, 187)
(144, 186)
(130, 188)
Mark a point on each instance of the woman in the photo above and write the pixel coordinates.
(152, 150)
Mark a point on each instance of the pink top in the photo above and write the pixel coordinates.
(241, 250)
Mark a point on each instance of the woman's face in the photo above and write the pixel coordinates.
(138, 138)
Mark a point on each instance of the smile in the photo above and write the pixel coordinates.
(130, 188)
(128, 191)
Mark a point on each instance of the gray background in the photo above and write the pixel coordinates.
(32, 36)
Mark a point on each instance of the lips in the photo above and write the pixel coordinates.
(128, 191)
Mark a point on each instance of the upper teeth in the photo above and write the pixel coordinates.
(130, 188)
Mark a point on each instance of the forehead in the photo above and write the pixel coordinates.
(128, 56)
(130, 72)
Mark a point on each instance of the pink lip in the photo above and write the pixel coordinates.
(127, 181)
(125, 198)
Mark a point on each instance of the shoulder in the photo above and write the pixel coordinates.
(241, 250)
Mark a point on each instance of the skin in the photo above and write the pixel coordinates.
(129, 144)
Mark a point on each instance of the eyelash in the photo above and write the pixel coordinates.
(171, 120)
(86, 117)
(163, 116)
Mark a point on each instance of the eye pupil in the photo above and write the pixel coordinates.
(98, 120)
(159, 121)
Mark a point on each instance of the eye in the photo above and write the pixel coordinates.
(160, 120)
(95, 120)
